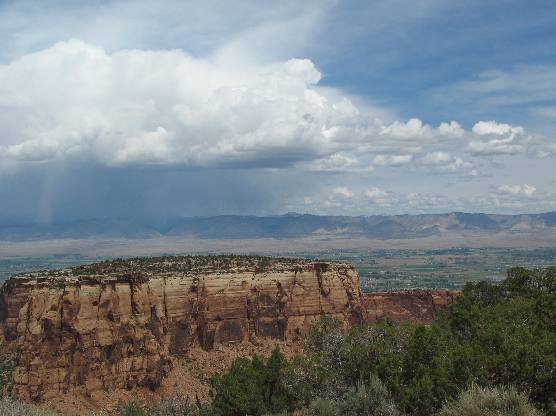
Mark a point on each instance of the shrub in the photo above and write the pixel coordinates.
(321, 333)
(303, 378)
(7, 365)
(11, 407)
(494, 334)
(252, 387)
(321, 407)
(341, 359)
(371, 399)
(505, 334)
(364, 399)
(132, 408)
(177, 406)
(490, 402)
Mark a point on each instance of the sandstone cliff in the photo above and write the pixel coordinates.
(417, 306)
(123, 325)
(118, 324)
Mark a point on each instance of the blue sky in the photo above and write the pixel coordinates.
(157, 109)
(406, 62)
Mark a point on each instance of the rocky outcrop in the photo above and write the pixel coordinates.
(119, 325)
(417, 306)
(123, 324)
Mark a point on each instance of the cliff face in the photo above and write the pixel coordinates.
(121, 329)
(122, 325)
(417, 306)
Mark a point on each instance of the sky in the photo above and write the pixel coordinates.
(160, 109)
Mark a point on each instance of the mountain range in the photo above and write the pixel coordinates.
(291, 225)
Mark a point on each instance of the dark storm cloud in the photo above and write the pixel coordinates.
(55, 194)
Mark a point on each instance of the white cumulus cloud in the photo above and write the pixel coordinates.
(494, 138)
(378, 196)
(451, 129)
(75, 101)
(343, 191)
(134, 107)
(409, 130)
(483, 128)
(518, 190)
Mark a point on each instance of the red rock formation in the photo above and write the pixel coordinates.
(121, 329)
(417, 306)
(121, 324)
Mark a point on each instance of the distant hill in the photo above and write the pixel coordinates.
(288, 226)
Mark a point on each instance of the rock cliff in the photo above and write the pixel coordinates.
(118, 324)
(417, 306)
(125, 324)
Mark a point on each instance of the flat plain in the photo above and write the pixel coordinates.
(431, 262)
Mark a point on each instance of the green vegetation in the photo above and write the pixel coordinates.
(182, 264)
(379, 270)
(491, 402)
(253, 387)
(140, 267)
(491, 353)
(395, 269)
(7, 366)
(171, 407)
(493, 335)
(369, 399)
(10, 407)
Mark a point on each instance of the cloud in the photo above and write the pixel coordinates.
(75, 102)
(520, 198)
(378, 196)
(413, 128)
(215, 108)
(518, 190)
(203, 27)
(519, 85)
(495, 147)
(348, 200)
(376, 200)
(437, 158)
(392, 160)
(483, 128)
(343, 191)
(548, 112)
(447, 163)
(149, 148)
(492, 138)
(426, 202)
(451, 129)
(361, 200)
(337, 163)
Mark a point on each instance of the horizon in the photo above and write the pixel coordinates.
(283, 215)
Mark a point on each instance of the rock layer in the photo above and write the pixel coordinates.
(122, 329)
(417, 306)
(120, 324)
